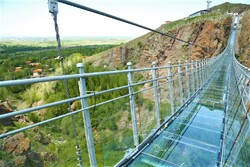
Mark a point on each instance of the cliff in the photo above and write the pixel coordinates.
(210, 31)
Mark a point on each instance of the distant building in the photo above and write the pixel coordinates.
(199, 13)
(233, 14)
(51, 69)
(37, 72)
(17, 69)
(28, 62)
(35, 64)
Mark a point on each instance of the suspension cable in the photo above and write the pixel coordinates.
(123, 20)
(53, 9)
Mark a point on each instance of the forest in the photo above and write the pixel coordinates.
(19, 61)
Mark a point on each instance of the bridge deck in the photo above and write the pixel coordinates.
(193, 138)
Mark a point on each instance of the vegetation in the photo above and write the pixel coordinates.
(111, 138)
(231, 8)
(16, 65)
(187, 21)
(243, 40)
(10, 59)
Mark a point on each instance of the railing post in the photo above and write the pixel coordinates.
(248, 84)
(208, 63)
(200, 73)
(192, 76)
(86, 118)
(180, 82)
(204, 70)
(132, 105)
(187, 79)
(196, 75)
(170, 79)
(155, 83)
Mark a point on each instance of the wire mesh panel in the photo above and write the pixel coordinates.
(34, 141)
(176, 90)
(237, 122)
(112, 131)
(52, 144)
(146, 113)
(163, 93)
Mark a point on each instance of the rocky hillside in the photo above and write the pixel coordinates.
(209, 31)
(6, 108)
(243, 39)
(231, 8)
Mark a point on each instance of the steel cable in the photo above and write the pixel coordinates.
(123, 20)
(60, 58)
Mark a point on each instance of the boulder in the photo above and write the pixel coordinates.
(6, 108)
(11, 143)
(23, 147)
(21, 161)
(42, 138)
(48, 156)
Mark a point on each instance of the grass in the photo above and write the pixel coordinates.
(187, 21)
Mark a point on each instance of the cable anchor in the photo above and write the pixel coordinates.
(53, 6)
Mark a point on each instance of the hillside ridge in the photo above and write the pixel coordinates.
(209, 31)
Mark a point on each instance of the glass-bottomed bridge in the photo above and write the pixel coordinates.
(186, 114)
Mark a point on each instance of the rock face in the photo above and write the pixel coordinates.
(17, 144)
(6, 108)
(48, 156)
(212, 35)
(19, 147)
(23, 147)
(21, 161)
(42, 138)
(243, 34)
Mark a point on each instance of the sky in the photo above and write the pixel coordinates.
(31, 18)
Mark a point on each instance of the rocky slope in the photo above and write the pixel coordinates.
(231, 8)
(243, 39)
(211, 33)
(6, 108)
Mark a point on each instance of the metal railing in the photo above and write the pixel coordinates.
(152, 99)
(237, 122)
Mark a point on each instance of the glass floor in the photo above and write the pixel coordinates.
(193, 138)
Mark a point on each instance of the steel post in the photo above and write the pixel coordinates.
(180, 82)
(187, 80)
(196, 74)
(204, 71)
(200, 72)
(155, 83)
(86, 117)
(192, 76)
(132, 105)
(207, 68)
(170, 79)
(249, 84)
